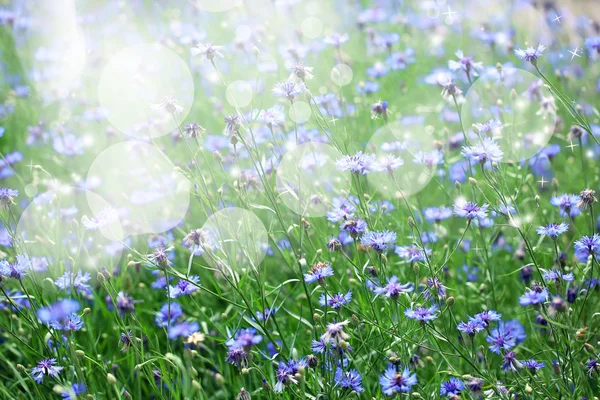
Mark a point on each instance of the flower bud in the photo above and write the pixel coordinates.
(110, 378)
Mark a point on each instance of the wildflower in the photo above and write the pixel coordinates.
(488, 317)
(74, 391)
(510, 362)
(379, 108)
(274, 116)
(500, 339)
(58, 311)
(486, 151)
(46, 367)
(378, 241)
(337, 39)
(470, 210)
(359, 163)
(243, 395)
(301, 71)
(593, 366)
(193, 130)
(393, 381)
(232, 123)
(70, 323)
(514, 329)
(533, 366)
(429, 159)
(207, 50)
(182, 329)
(452, 387)
(547, 107)
(245, 338)
(168, 105)
(354, 227)
(184, 287)
(126, 338)
(196, 237)
(556, 276)
(567, 204)
(265, 314)
(475, 385)
(237, 356)
(334, 332)
(7, 197)
(289, 89)
(286, 374)
(435, 289)
(533, 297)
(319, 272)
(78, 282)
(336, 301)
(334, 244)
(16, 270)
(195, 338)
(471, 327)
(125, 303)
(350, 380)
(390, 163)
(168, 314)
(422, 314)
(449, 88)
(557, 305)
(587, 246)
(393, 288)
(587, 198)
(437, 214)
(530, 54)
(465, 64)
(553, 230)
(412, 253)
(593, 44)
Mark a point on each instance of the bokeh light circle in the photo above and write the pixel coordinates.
(312, 27)
(239, 94)
(341, 74)
(216, 6)
(234, 239)
(300, 111)
(308, 179)
(514, 108)
(146, 90)
(150, 194)
(60, 231)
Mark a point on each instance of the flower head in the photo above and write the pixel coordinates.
(46, 367)
(336, 301)
(486, 151)
(378, 241)
(423, 314)
(319, 272)
(289, 89)
(18, 269)
(184, 287)
(208, 50)
(393, 381)
(7, 197)
(567, 204)
(553, 230)
(530, 54)
(359, 163)
(393, 288)
(470, 210)
(452, 387)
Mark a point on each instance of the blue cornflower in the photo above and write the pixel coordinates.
(168, 314)
(45, 368)
(184, 287)
(400, 60)
(75, 390)
(286, 373)
(78, 282)
(70, 323)
(510, 362)
(452, 387)
(514, 329)
(318, 346)
(7, 197)
(593, 44)
(423, 314)
(350, 380)
(359, 163)
(567, 203)
(533, 366)
(265, 314)
(470, 210)
(471, 327)
(319, 272)
(58, 311)
(16, 270)
(533, 297)
(465, 64)
(289, 89)
(587, 246)
(429, 159)
(557, 276)
(485, 151)
(553, 230)
(378, 241)
(237, 356)
(435, 289)
(412, 253)
(245, 338)
(388, 163)
(183, 329)
(488, 316)
(393, 381)
(126, 338)
(368, 87)
(336, 301)
(530, 54)
(393, 288)
(437, 214)
(500, 339)
(354, 227)
(489, 128)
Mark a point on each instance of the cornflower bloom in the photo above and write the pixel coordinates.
(530, 54)
(423, 314)
(567, 204)
(412, 253)
(553, 230)
(510, 362)
(587, 246)
(336, 301)
(452, 387)
(359, 163)
(289, 89)
(349, 380)
(7, 197)
(334, 333)
(471, 327)
(556, 276)
(46, 367)
(500, 339)
(207, 50)
(18, 269)
(533, 297)
(393, 288)
(470, 210)
(393, 381)
(378, 241)
(465, 64)
(184, 287)
(319, 272)
(533, 366)
(486, 151)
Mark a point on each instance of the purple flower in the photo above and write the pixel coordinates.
(336, 301)
(184, 287)
(70, 323)
(422, 314)
(207, 50)
(320, 271)
(7, 196)
(510, 362)
(393, 288)
(452, 387)
(567, 203)
(337, 39)
(488, 316)
(412, 253)
(58, 311)
(16, 270)
(359, 163)
(286, 373)
(553, 230)
(126, 338)
(265, 314)
(245, 338)
(237, 356)
(435, 289)
(75, 390)
(334, 332)
(183, 329)
(500, 339)
(470, 210)
(393, 381)
(437, 214)
(465, 64)
(168, 314)
(45, 368)
(471, 327)
(274, 116)
(587, 246)
(530, 54)
(378, 241)
(78, 282)
(593, 44)
(556, 276)
(354, 227)
(389, 163)
(350, 380)
(533, 297)
(533, 366)
(486, 151)
(289, 89)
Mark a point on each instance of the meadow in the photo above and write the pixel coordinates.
(256, 199)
